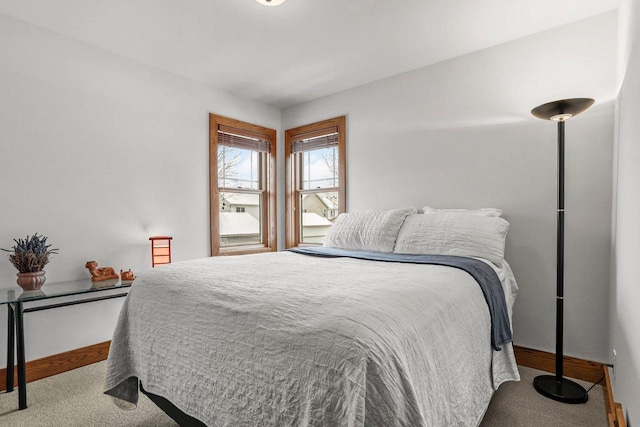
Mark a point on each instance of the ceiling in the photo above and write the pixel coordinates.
(303, 49)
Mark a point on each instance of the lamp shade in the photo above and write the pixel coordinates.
(563, 109)
(160, 250)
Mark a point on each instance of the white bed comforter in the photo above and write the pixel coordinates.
(283, 339)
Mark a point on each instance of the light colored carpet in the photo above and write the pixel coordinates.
(518, 404)
(75, 399)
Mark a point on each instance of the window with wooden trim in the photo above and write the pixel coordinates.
(242, 177)
(315, 159)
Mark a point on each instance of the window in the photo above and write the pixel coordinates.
(315, 172)
(242, 186)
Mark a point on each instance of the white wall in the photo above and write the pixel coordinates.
(625, 290)
(99, 152)
(460, 134)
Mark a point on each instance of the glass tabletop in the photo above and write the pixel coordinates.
(60, 289)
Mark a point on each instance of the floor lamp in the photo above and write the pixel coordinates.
(557, 387)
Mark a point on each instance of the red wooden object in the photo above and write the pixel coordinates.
(160, 250)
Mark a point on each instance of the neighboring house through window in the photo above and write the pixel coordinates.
(242, 184)
(315, 173)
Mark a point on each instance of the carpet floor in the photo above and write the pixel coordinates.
(75, 399)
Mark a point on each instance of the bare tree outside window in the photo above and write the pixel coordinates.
(331, 160)
(228, 160)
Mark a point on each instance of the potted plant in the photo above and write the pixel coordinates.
(29, 256)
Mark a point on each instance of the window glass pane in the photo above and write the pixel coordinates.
(319, 211)
(320, 168)
(240, 219)
(238, 168)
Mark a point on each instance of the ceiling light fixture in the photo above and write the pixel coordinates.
(271, 2)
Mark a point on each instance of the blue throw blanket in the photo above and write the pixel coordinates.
(483, 274)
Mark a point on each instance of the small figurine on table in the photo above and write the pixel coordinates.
(100, 274)
(127, 276)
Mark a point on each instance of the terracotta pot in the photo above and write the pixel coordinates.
(31, 281)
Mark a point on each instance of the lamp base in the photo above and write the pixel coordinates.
(562, 390)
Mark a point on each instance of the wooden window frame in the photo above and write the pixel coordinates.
(292, 201)
(268, 219)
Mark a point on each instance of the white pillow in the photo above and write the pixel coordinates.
(367, 230)
(481, 212)
(454, 233)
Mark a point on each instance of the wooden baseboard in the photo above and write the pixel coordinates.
(62, 362)
(614, 410)
(59, 363)
(581, 369)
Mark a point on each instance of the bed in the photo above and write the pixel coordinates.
(344, 337)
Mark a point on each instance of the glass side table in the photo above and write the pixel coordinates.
(15, 298)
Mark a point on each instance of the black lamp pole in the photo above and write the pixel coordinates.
(560, 257)
(557, 387)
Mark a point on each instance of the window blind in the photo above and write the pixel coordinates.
(244, 142)
(315, 143)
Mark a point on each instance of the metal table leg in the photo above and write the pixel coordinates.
(22, 375)
(16, 339)
(10, 347)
